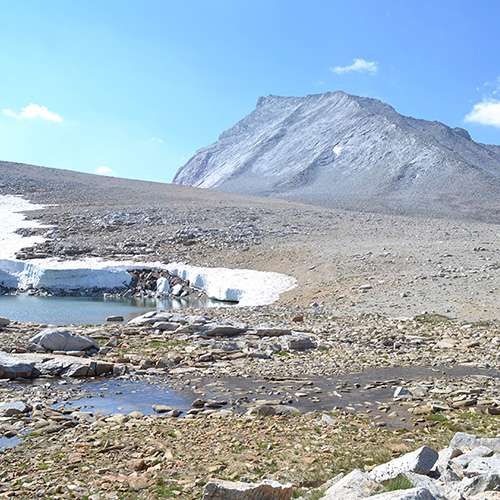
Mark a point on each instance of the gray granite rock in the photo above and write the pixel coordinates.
(14, 367)
(61, 340)
(228, 490)
(420, 461)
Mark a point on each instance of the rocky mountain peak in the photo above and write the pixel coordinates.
(345, 151)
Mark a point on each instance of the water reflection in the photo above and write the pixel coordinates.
(88, 310)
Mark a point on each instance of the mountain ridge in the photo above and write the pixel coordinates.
(344, 151)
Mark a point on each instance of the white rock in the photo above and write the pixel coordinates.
(402, 393)
(356, 484)
(228, 490)
(177, 290)
(420, 461)
(412, 494)
(483, 465)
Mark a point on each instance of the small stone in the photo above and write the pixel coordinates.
(116, 319)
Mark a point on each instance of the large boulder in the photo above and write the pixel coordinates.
(12, 367)
(356, 484)
(61, 340)
(420, 461)
(228, 490)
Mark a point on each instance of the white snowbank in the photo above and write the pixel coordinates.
(11, 220)
(244, 286)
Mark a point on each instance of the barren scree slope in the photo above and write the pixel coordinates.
(350, 262)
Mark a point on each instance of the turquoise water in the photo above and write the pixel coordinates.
(86, 310)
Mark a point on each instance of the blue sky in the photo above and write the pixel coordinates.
(134, 88)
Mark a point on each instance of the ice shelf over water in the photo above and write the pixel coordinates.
(247, 287)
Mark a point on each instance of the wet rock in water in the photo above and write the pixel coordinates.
(10, 367)
(198, 403)
(4, 322)
(162, 408)
(14, 408)
(61, 340)
(228, 490)
(402, 393)
(213, 403)
(116, 319)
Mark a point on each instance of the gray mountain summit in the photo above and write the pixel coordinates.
(343, 151)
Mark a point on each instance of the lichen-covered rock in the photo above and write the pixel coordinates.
(266, 490)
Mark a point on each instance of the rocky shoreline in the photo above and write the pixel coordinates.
(291, 375)
(144, 284)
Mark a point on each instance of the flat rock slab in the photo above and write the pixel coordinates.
(27, 365)
(228, 490)
(13, 366)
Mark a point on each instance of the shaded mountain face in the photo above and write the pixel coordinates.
(338, 150)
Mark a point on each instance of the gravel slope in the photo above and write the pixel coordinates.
(350, 262)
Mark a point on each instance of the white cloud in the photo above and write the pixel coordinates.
(486, 112)
(156, 139)
(34, 111)
(359, 65)
(104, 170)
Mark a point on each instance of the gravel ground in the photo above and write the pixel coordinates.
(351, 262)
(375, 292)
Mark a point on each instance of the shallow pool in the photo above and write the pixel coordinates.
(87, 310)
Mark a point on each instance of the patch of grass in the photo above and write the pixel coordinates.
(436, 417)
(167, 491)
(433, 318)
(487, 323)
(400, 482)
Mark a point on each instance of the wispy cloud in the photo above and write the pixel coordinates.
(156, 139)
(104, 170)
(359, 65)
(34, 111)
(486, 112)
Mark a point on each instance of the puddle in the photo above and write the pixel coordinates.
(124, 396)
(360, 393)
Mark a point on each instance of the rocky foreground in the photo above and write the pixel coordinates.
(275, 394)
